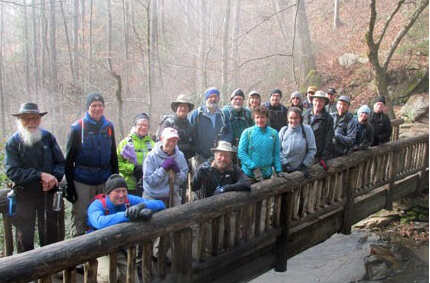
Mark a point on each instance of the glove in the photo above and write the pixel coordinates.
(221, 190)
(133, 212)
(71, 194)
(137, 172)
(257, 174)
(170, 163)
(285, 168)
(145, 214)
(322, 162)
(304, 170)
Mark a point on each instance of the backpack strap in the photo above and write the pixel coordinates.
(102, 199)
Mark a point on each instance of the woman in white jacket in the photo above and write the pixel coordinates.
(298, 146)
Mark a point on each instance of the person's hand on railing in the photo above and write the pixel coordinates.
(304, 170)
(137, 172)
(133, 212)
(257, 174)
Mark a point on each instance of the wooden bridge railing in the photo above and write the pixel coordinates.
(249, 232)
(395, 124)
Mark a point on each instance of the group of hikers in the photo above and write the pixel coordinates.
(209, 150)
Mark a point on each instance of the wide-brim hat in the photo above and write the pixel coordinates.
(29, 108)
(182, 99)
(320, 94)
(223, 146)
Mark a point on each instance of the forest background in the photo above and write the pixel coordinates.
(141, 54)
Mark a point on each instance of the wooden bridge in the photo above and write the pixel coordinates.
(251, 233)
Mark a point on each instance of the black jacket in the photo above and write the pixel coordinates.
(24, 164)
(345, 131)
(185, 131)
(277, 116)
(208, 179)
(322, 126)
(364, 137)
(381, 125)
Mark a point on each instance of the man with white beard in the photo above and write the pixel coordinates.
(35, 163)
(209, 126)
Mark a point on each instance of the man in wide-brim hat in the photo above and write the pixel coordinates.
(35, 163)
(182, 99)
(219, 175)
(321, 123)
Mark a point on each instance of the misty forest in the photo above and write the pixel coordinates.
(141, 54)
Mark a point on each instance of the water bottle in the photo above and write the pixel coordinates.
(12, 202)
(58, 196)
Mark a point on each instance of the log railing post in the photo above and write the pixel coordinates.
(348, 182)
(8, 237)
(282, 239)
(422, 180)
(182, 255)
(393, 173)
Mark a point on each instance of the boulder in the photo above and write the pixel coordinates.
(349, 59)
(416, 108)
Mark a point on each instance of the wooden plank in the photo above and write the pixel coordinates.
(131, 264)
(113, 257)
(147, 261)
(182, 255)
(90, 271)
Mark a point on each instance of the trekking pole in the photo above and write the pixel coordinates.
(45, 217)
(171, 187)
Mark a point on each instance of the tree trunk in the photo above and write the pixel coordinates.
(225, 41)
(202, 46)
(75, 49)
(235, 77)
(36, 78)
(27, 52)
(2, 91)
(336, 20)
(304, 40)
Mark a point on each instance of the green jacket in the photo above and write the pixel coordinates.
(142, 146)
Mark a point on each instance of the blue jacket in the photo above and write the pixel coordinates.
(260, 148)
(345, 130)
(91, 151)
(205, 134)
(98, 220)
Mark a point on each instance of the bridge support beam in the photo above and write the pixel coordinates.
(282, 239)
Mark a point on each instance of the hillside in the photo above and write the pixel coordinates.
(409, 62)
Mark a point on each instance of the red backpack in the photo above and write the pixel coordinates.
(102, 198)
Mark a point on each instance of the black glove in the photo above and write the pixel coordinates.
(133, 212)
(257, 174)
(145, 214)
(285, 167)
(137, 172)
(304, 170)
(71, 194)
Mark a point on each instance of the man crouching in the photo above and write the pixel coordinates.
(115, 207)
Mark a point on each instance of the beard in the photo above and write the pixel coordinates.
(27, 136)
(212, 105)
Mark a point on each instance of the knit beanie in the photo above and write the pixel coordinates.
(296, 94)
(115, 181)
(364, 109)
(140, 116)
(210, 91)
(94, 97)
(276, 91)
(380, 99)
(237, 92)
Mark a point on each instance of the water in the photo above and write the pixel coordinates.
(340, 259)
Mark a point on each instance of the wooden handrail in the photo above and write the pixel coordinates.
(283, 207)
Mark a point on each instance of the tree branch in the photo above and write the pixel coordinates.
(389, 19)
(412, 19)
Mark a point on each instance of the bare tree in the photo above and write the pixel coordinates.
(235, 43)
(114, 74)
(26, 49)
(34, 42)
(336, 20)
(225, 44)
(2, 91)
(380, 68)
